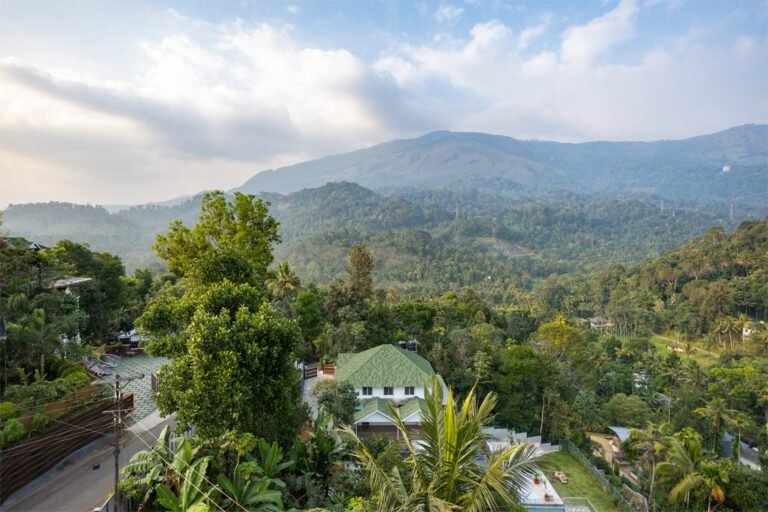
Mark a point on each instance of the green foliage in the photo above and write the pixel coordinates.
(13, 431)
(338, 399)
(628, 411)
(236, 373)
(231, 240)
(8, 410)
(447, 468)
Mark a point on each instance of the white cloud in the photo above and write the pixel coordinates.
(201, 105)
(529, 34)
(583, 43)
(293, 9)
(246, 97)
(448, 13)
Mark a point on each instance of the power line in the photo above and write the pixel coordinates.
(117, 417)
(204, 477)
(189, 480)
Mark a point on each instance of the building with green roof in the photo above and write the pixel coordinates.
(382, 376)
(387, 372)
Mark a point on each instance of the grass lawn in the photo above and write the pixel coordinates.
(700, 357)
(580, 482)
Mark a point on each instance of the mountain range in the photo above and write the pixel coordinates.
(728, 165)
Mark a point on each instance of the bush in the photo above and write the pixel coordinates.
(52, 364)
(77, 380)
(64, 366)
(8, 410)
(14, 431)
(601, 463)
(72, 370)
(39, 421)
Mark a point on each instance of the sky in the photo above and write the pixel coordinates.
(114, 102)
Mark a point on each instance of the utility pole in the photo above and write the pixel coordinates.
(117, 416)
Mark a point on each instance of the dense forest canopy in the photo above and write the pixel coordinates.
(542, 307)
(425, 240)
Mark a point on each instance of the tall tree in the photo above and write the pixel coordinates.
(718, 413)
(232, 240)
(360, 272)
(689, 469)
(651, 440)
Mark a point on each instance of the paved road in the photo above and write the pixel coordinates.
(79, 488)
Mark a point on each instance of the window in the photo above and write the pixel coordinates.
(388, 391)
(408, 390)
(367, 391)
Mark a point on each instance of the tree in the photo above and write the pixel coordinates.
(338, 399)
(626, 410)
(452, 469)
(235, 374)
(557, 337)
(284, 283)
(718, 413)
(231, 240)
(651, 441)
(689, 469)
(360, 272)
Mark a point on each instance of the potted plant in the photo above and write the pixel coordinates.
(536, 479)
(547, 496)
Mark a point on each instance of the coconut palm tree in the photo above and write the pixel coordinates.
(450, 466)
(718, 413)
(690, 469)
(284, 282)
(652, 441)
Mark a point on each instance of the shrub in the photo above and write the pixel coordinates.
(8, 410)
(78, 380)
(64, 366)
(601, 463)
(14, 431)
(2, 440)
(52, 364)
(39, 421)
(72, 370)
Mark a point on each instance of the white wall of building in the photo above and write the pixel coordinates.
(397, 396)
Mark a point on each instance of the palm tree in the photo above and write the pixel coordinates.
(718, 413)
(284, 282)
(740, 421)
(652, 441)
(687, 465)
(450, 466)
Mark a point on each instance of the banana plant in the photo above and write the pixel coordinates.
(148, 466)
(251, 495)
(193, 496)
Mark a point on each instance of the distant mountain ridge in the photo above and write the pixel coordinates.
(689, 168)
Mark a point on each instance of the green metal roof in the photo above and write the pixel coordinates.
(381, 406)
(385, 365)
(411, 406)
(374, 405)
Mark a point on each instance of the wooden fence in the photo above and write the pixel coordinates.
(22, 463)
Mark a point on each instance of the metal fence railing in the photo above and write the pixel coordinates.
(620, 500)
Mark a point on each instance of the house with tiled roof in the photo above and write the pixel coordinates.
(384, 377)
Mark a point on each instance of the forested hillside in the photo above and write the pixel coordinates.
(690, 169)
(424, 240)
(708, 288)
